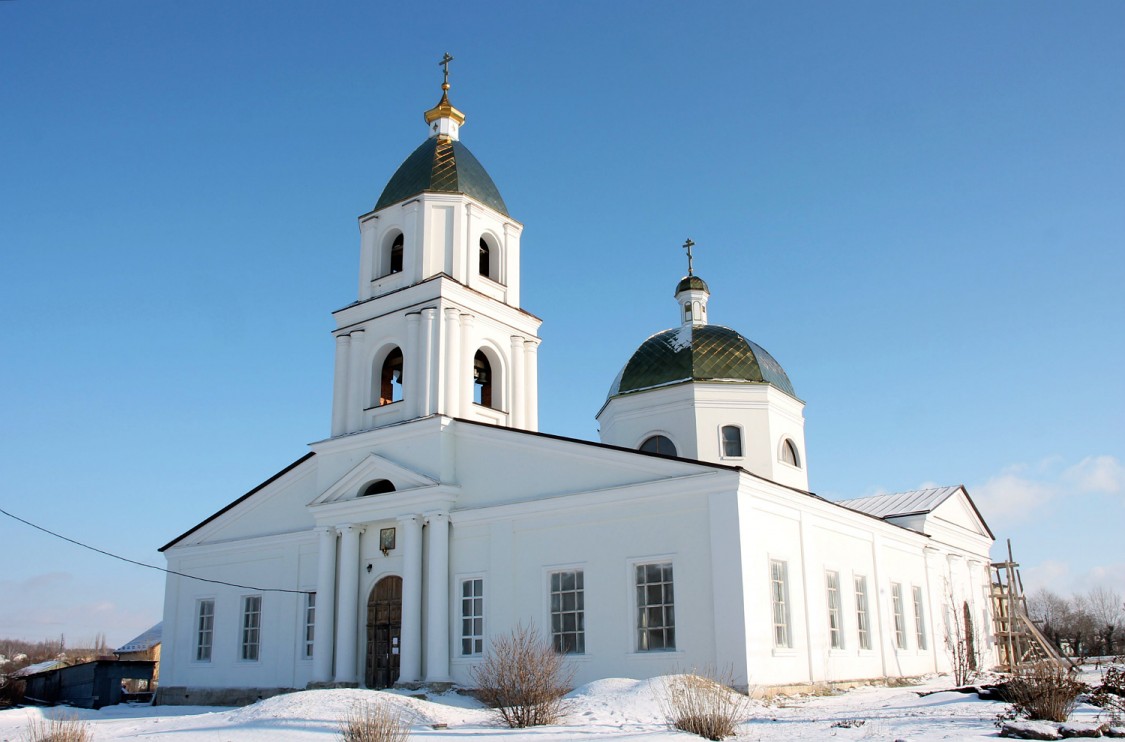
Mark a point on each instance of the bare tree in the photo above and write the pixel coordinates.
(962, 639)
(1048, 610)
(1105, 608)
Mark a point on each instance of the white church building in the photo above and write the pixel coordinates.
(436, 515)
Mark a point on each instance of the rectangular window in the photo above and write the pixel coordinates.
(779, 596)
(472, 616)
(732, 441)
(861, 612)
(204, 630)
(251, 627)
(568, 612)
(835, 617)
(919, 618)
(656, 619)
(310, 623)
(900, 616)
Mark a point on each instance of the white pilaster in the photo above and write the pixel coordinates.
(325, 626)
(347, 635)
(412, 241)
(357, 396)
(340, 387)
(437, 613)
(410, 657)
(511, 270)
(429, 378)
(517, 407)
(532, 373)
(467, 356)
(412, 374)
(451, 367)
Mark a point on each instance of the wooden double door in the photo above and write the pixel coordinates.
(384, 630)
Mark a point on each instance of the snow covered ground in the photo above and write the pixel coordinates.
(615, 710)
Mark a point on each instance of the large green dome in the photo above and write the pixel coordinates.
(699, 353)
(444, 166)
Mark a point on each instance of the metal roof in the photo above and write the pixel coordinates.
(699, 353)
(691, 282)
(901, 503)
(443, 166)
(145, 641)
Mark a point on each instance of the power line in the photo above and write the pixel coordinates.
(151, 566)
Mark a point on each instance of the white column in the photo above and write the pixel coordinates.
(347, 635)
(410, 643)
(426, 373)
(437, 593)
(325, 626)
(450, 365)
(412, 374)
(358, 399)
(467, 357)
(517, 404)
(340, 387)
(531, 371)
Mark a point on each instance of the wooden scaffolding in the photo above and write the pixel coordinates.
(1019, 641)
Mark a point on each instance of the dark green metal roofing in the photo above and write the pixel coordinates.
(691, 282)
(699, 353)
(442, 166)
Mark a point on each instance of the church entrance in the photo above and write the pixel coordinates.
(384, 626)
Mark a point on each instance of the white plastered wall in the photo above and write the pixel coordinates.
(693, 414)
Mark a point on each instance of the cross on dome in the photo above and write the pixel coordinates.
(443, 119)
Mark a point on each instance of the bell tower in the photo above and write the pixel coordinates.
(437, 327)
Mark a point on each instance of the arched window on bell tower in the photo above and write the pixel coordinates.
(396, 254)
(390, 378)
(484, 266)
(482, 380)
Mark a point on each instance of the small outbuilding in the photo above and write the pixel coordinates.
(88, 685)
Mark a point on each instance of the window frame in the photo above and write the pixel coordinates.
(200, 631)
(642, 629)
(250, 632)
(899, 614)
(919, 617)
(789, 446)
(309, 636)
(723, 450)
(654, 437)
(780, 604)
(835, 608)
(862, 611)
(558, 629)
(472, 620)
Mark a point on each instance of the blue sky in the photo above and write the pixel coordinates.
(917, 208)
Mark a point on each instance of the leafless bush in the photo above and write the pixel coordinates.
(58, 729)
(371, 722)
(1045, 691)
(523, 679)
(698, 704)
(1110, 695)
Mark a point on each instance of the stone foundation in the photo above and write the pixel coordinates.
(182, 696)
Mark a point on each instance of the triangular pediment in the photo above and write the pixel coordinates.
(958, 510)
(372, 467)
